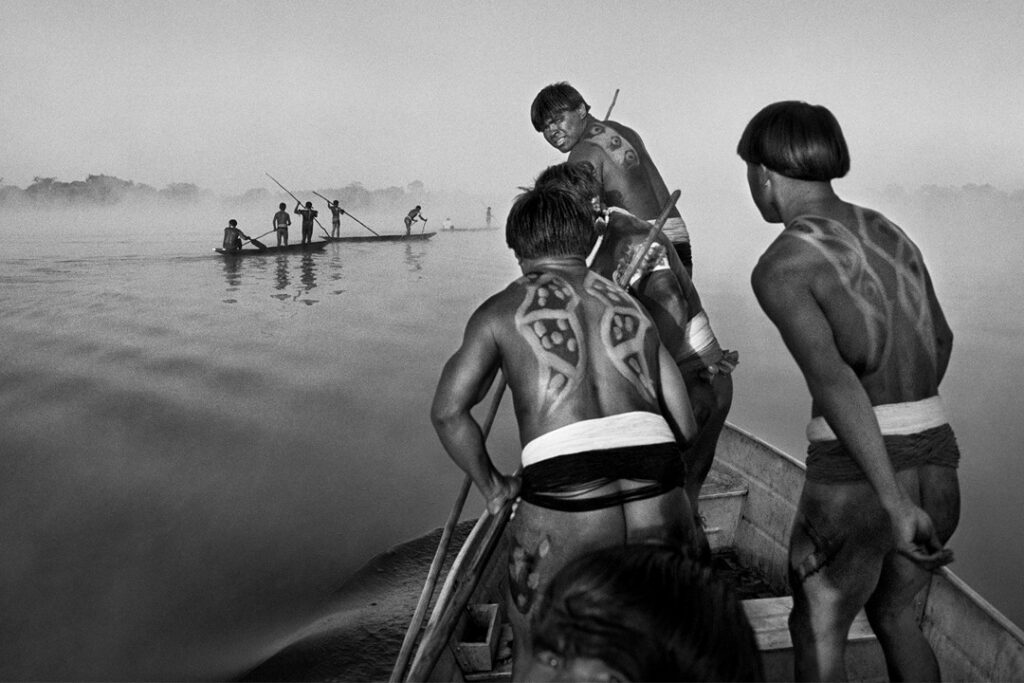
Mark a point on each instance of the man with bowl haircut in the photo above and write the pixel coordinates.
(600, 405)
(850, 294)
(628, 176)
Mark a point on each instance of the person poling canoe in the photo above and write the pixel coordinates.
(412, 217)
(336, 213)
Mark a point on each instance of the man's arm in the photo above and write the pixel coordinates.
(463, 384)
(783, 288)
(943, 333)
(675, 400)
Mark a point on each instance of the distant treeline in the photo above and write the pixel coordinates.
(104, 190)
(942, 193)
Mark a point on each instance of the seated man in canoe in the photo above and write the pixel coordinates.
(850, 294)
(601, 407)
(627, 174)
(233, 237)
(672, 301)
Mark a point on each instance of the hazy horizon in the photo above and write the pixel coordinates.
(326, 93)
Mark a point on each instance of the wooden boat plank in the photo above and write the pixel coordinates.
(975, 641)
(413, 237)
(291, 248)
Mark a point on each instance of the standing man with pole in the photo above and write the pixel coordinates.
(628, 176)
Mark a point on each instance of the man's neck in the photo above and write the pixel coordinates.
(545, 263)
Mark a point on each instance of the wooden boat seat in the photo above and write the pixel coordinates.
(770, 616)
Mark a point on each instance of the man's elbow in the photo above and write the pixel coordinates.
(444, 416)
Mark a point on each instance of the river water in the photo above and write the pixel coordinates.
(196, 452)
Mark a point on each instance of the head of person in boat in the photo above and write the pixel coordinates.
(559, 113)
(641, 612)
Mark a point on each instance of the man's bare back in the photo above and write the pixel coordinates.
(601, 408)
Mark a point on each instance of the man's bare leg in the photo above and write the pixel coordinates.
(543, 541)
(908, 654)
(839, 541)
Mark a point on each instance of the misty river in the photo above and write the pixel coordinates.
(197, 451)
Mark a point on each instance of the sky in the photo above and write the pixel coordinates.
(385, 93)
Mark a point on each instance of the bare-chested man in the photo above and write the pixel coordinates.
(590, 382)
(628, 177)
(672, 301)
(281, 222)
(850, 294)
(309, 215)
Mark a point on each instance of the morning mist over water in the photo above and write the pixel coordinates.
(197, 454)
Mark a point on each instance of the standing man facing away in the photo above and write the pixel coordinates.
(336, 213)
(854, 303)
(590, 383)
(628, 176)
(412, 217)
(308, 214)
(672, 301)
(281, 222)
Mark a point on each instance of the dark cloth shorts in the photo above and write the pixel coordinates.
(548, 483)
(829, 463)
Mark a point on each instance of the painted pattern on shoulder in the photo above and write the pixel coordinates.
(548, 321)
(611, 141)
(623, 333)
(849, 255)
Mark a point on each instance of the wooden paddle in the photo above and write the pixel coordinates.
(256, 240)
(424, 226)
(297, 201)
(348, 214)
(460, 500)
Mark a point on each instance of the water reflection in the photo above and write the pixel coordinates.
(308, 276)
(282, 271)
(414, 256)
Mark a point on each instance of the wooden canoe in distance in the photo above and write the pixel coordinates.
(284, 249)
(384, 238)
(748, 503)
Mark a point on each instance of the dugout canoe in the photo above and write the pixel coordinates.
(284, 249)
(412, 237)
(748, 502)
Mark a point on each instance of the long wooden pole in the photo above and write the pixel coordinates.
(297, 201)
(482, 539)
(442, 547)
(348, 214)
(612, 106)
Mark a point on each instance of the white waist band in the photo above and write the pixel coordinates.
(637, 428)
(893, 418)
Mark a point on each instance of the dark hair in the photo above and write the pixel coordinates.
(799, 140)
(549, 221)
(579, 177)
(554, 99)
(282, 205)
(232, 222)
(650, 612)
